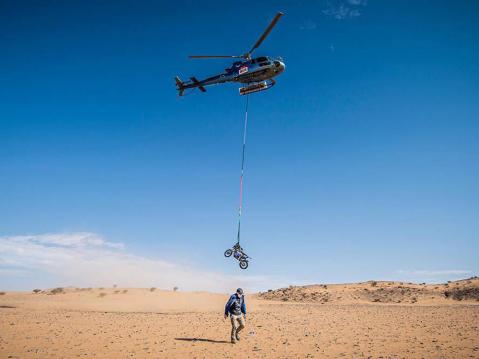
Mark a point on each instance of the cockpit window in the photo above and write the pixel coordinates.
(262, 59)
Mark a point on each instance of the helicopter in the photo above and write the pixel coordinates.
(257, 73)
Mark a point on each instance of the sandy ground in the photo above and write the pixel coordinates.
(352, 323)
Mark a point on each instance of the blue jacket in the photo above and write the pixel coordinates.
(233, 298)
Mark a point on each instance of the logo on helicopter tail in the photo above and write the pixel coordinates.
(242, 70)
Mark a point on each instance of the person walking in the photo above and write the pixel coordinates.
(236, 309)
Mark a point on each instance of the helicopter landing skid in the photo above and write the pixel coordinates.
(257, 86)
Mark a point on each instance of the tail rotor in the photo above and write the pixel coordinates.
(180, 86)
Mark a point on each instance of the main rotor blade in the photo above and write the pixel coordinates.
(267, 31)
(213, 56)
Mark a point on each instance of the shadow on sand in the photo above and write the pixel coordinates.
(203, 340)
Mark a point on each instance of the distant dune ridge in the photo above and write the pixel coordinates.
(379, 292)
(370, 319)
(153, 299)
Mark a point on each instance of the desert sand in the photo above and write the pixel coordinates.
(363, 320)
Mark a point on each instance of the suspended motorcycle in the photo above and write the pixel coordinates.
(239, 255)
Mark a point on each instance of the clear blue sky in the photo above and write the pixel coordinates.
(362, 162)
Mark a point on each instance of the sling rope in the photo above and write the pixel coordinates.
(240, 209)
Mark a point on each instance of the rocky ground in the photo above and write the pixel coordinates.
(379, 292)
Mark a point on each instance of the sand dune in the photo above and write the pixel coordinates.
(118, 300)
(466, 290)
(389, 320)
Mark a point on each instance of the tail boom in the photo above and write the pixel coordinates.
(182, 86)
(198, 84)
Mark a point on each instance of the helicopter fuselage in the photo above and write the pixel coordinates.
(248, 71)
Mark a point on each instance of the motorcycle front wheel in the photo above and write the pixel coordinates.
(243, 264)
(228, 253)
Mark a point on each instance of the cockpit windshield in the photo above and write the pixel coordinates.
(263, 61)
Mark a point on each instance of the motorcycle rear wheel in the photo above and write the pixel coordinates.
(243, 264)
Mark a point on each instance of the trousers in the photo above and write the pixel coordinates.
(237, 324)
